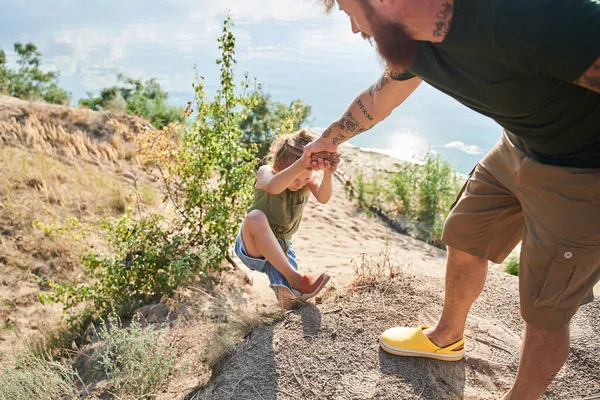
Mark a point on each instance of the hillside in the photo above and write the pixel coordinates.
(63, 168)
(58, 166)
(331, 351)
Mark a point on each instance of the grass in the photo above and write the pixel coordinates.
(137, 359)
(369, 270)
(420, 194)
(58, 165)
(37, 377)
(54, 188)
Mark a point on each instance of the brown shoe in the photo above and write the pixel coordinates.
(311, 285)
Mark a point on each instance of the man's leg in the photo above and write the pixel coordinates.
(542, 356)
(465, 278)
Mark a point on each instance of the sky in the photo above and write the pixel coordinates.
(290, 46)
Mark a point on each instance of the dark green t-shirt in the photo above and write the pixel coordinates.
(514, 61)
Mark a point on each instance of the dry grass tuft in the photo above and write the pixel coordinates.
(72, 134)
(369, 270)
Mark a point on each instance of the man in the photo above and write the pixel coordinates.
(534, 67)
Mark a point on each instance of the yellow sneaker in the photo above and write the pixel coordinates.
(412, 342)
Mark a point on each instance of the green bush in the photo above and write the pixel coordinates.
(207, 175)
(512, 265)
(421, 194)
(146, 262)
(29, 82)
(137, 360)
(145, 99)
(37, 377)
(4, 73)
(424, 193)
(370, 191)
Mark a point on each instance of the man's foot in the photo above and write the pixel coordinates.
(442, 338)
(412, 342)
(311, 285)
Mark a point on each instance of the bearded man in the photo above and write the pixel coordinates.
(533, 66)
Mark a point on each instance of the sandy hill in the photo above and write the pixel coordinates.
(57, 164)
(331, 351)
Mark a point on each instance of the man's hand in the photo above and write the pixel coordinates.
(321, 150)
(332, 158)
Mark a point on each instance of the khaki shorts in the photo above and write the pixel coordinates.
(555, 211)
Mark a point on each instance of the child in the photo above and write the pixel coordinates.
(281, 191)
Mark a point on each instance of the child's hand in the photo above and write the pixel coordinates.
(333, 158)
(327, 167)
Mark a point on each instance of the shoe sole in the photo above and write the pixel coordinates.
(424, 354)
(307, 296)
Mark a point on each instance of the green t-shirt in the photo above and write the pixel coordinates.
(514, 61)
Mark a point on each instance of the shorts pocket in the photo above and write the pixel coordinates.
(573, 273)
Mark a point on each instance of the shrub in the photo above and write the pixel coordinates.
(207, 175)
(146, 262)
(266, 119)
(37, 377)
(512, 265)
(137, 360)
(144, 99)
(424, 193)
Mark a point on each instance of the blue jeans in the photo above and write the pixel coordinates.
(262, 265)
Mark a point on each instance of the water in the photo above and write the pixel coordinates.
(291, 46)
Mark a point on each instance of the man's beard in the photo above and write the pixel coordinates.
(393, 42)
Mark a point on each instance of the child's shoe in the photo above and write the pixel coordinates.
(311, 285)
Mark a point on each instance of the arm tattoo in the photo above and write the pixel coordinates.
(364, 110)
(442, 26)
(338, 139)
(591, 78)
(350, 124)
(384, 80)
(350, 127)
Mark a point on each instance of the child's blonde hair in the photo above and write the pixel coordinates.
(287, 149)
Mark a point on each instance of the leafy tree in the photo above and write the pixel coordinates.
(145, 99)
(3, 73)
(267, 119)
(29, 81)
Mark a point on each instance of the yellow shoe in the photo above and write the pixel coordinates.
(412, 342)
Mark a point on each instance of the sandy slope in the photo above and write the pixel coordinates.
(330, 351)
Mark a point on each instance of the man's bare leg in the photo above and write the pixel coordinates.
(542, 356)
(465, 278)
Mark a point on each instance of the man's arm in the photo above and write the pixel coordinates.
(372, 106)
(591, 78)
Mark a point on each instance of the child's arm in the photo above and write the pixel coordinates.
(322, 188)
(275, 183)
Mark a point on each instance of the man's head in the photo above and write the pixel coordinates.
(380, 21)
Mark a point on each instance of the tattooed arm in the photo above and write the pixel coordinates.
(591, 78)
(372, 106)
